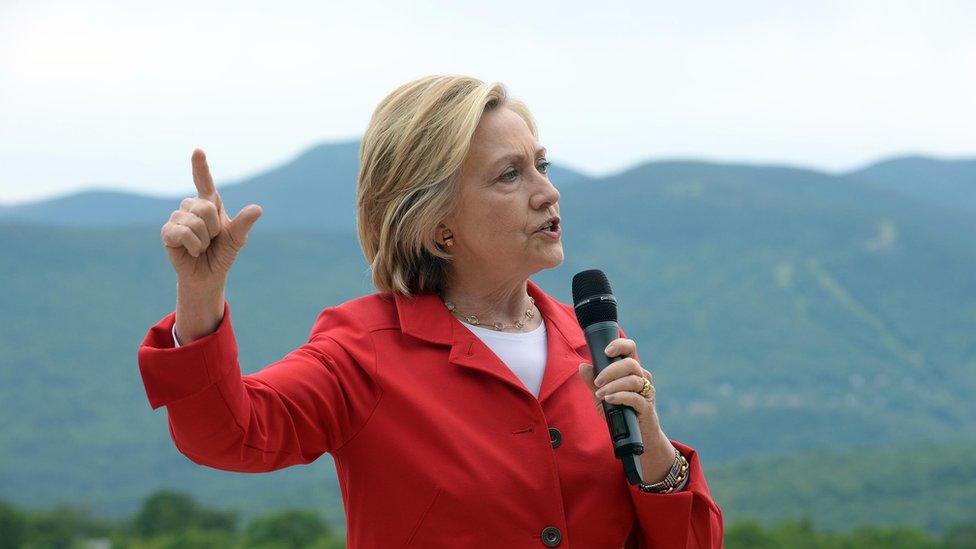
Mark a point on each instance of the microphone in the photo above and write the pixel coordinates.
(596, 311)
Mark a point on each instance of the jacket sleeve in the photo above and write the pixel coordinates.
(688, 519)
(685, 519)
(311, 401)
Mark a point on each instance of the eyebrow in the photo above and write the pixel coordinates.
(516, 156)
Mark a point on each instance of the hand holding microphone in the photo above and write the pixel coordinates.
(617, 380)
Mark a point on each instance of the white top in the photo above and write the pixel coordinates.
(523, 353)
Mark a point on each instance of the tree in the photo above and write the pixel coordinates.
(13, 526)
(294, 528)
(169, 511)
(748, 534)
(961, 535)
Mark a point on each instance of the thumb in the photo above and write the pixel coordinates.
(586, 372)
(242, 223)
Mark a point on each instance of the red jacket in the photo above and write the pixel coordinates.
(436, 442)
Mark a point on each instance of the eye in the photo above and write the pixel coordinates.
(509, 176)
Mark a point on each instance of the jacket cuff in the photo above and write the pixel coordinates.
(170, 373)
(679, 517)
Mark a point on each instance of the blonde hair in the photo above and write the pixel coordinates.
(410, 160)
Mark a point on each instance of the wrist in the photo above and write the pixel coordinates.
(199, 311)
(675, 479)
(658, 458)
(208, 287)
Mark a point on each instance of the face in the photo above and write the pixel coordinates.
(505, 196)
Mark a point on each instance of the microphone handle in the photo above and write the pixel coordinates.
(621, 419)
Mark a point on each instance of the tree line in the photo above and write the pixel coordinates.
(169, 519)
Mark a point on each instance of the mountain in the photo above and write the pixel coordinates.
(314, 191)
(317, 190)
(949, 183)
(782, 311)
(91, 208)
(775, 297)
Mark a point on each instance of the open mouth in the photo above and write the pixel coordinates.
(552, 229)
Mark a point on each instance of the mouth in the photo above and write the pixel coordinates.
(552, 228)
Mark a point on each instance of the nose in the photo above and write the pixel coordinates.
(547, 195)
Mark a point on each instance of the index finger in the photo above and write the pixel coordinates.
(202, 178)
(621, 347)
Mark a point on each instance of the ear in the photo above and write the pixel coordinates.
(439, 233)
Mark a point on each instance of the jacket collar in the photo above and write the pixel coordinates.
(424, 316)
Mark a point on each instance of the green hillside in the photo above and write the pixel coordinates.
(781, 311)
(786, 308)
(930, 487)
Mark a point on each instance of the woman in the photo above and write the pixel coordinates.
(444, 433)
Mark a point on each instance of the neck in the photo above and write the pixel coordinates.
(503, 302)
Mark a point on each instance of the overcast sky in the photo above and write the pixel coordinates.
(117, 94)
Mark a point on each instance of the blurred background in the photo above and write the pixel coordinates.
(792, 191)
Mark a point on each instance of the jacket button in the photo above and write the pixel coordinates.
(555, 437)
(551, 536)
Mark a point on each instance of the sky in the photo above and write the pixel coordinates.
(116, 95)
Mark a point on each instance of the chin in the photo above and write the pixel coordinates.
(552, 260)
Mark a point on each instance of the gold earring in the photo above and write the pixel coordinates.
(448, 238)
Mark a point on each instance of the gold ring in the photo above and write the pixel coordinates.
(646, 389)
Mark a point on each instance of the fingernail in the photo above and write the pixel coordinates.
(610, 348)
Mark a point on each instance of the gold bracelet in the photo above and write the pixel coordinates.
(677, 475)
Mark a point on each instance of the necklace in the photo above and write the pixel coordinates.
(472, 319)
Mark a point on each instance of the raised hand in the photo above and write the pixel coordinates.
(202, 241)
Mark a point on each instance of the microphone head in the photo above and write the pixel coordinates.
(592, 298)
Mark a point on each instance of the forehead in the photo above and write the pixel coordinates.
(500, 132)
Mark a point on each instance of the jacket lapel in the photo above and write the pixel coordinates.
(425, 317)
(565, 341)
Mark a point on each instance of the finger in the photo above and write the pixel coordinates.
(202, 178)
(170, 235)
(586, 372)
(212, 216)
(196, 224)
(207, 211)
(182, 236)
(632, 399)
(648, 375)
(242, 223)
(621, 347)
(633, 383)
(618, 369)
